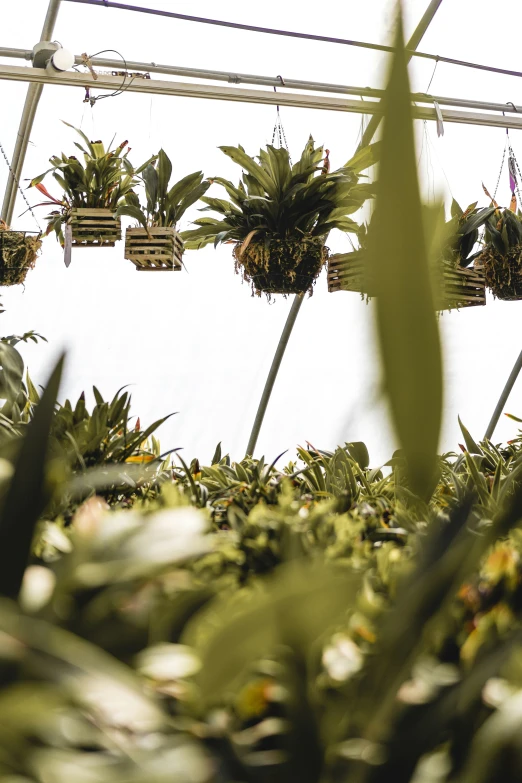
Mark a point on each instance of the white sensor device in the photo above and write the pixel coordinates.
(61, 60)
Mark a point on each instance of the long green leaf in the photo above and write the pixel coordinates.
(407, 327)
(27, 494)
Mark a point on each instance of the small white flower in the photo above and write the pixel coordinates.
(342, 658)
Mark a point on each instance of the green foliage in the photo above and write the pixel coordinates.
(27, 495)
(166, 203)
(102, 182)
(407, 327)
(502, 254)
(277, 205)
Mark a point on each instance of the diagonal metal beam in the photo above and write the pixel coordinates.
(413, 43)
(34, 92)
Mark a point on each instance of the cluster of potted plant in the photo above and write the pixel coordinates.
(279, 216)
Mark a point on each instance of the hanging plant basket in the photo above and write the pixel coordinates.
(287, 266)
(18, 252)
(460, 287)
(502, 271)
(159, 249)
(94, 227)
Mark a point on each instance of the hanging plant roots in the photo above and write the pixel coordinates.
(503, 272)
(287, 266)
(18, 252)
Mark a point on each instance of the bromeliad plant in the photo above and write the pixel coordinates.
(502, 254)
(279, 216)
(101, 182)
(166, 203)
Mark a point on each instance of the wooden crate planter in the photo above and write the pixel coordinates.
(460, 287)
(94, 228)
(161, 251)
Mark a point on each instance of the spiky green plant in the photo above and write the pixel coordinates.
(279, 216)
(502, 254)
(166, 203)
(101, 182)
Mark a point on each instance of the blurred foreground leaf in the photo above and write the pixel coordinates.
(406, 321)
(27, 496)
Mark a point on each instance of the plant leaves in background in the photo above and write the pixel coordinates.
(26, 497)
(406, 322)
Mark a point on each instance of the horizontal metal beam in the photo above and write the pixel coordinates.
(222, 93)
(233, 77)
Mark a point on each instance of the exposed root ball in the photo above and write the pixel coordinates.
(503, 272)
(287, 266)
(18, 253)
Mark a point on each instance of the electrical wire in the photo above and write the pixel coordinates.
(290, 34)
(120, 90)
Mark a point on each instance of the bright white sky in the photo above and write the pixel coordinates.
(197, 343)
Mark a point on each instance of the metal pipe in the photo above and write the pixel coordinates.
(414, 41)
(221, 92)
(34, 92)
(233, 77)
(298, 300)
(272, 375)
(23, 54)
(503, 398)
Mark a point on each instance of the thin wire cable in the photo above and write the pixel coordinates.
(19, 188)
(120, 90)
(305, 36)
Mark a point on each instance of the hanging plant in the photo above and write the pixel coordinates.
(157, 245)
(455, 285)
(501, 258)
(18, 252)
(92, 191)
(279, 216)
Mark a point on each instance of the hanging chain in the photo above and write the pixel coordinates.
(519, 179)
(17, 182)
(278, 136)
(500, 172)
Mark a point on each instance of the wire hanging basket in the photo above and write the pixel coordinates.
(18, 253)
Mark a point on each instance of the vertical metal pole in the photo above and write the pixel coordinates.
(503, 398)
(34, 92)
(298, 300)
(272, 375)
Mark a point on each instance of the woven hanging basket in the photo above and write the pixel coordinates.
(502, 272)
(159, 249)
(459, 287)
(94, 227)
(285, 267)
(18, 252)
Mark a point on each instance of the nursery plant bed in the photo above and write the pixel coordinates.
(159, 249)
(94, 227)
(18, 252)
(461, 287)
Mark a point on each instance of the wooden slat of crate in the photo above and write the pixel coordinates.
(94, 227)
(158, 250)
(461, 287)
